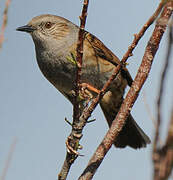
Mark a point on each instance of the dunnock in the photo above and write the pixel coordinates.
(55, 41)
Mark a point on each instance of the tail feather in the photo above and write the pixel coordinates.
(131, 134)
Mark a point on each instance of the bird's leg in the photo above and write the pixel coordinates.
(85, 95)
(69, 148)
(85, 86)
(86, 92)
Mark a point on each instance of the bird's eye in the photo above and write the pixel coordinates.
(48, 25)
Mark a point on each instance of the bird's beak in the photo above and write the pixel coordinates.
(26, 28)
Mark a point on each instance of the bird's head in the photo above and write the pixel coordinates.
(50, 30)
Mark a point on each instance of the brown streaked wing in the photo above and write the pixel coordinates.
(103, 52)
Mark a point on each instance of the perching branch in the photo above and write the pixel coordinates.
(4, 22)
(76, 133)
(131, 96)
(79, 50)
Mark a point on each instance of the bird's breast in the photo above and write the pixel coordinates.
(61, 71)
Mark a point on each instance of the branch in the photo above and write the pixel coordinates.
(4, 22)
(131, 96)
(79, 49)
(163, 156)
(76, 133)
(142, 31)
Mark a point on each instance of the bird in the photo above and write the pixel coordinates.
(55, 40)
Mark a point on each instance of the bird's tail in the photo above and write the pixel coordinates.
(131, 134)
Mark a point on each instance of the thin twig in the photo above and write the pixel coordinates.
(76, 133)
(4, 22)
(131, 96)
(9, 158)
(79, 50)
(142, 31)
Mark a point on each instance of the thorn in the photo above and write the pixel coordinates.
(92, 120)
(66, 120)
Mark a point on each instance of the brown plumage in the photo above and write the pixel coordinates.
(55, 41)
